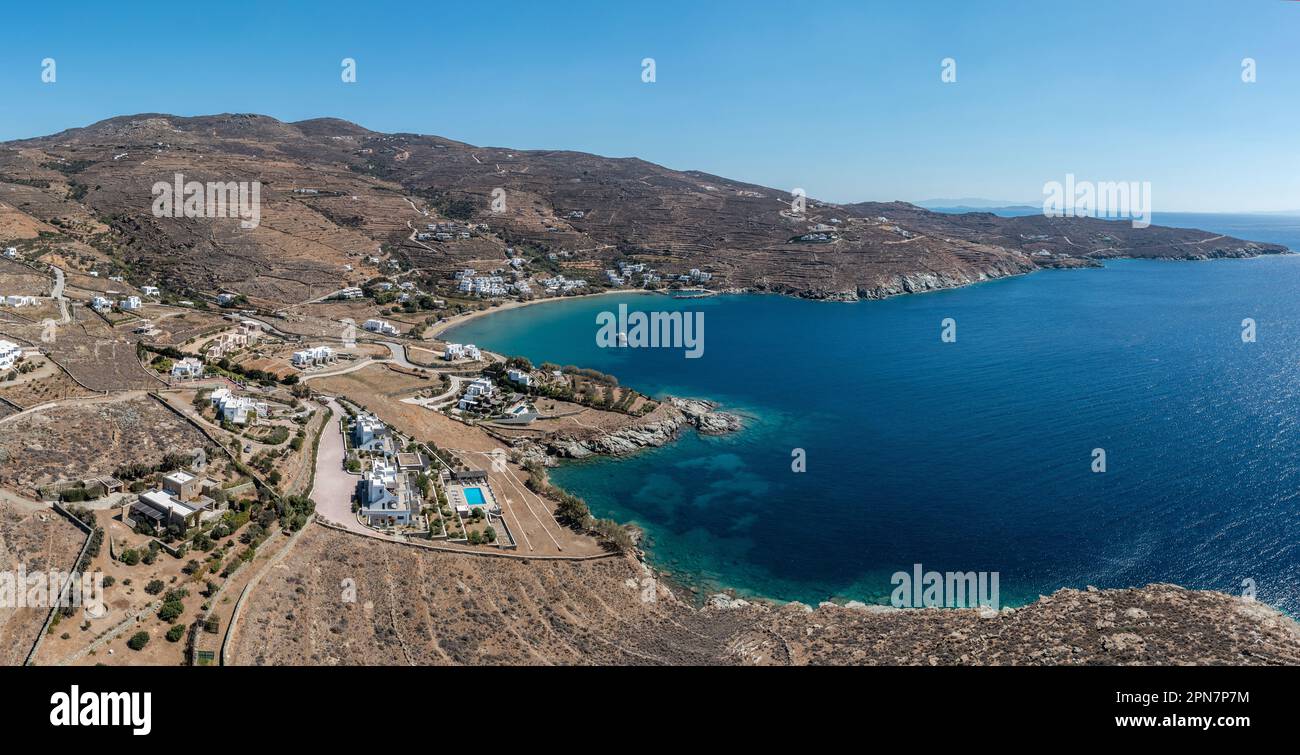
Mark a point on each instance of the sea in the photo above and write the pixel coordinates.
(1111, 427)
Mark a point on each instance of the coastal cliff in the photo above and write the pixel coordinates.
(614, 611)
(658, 428)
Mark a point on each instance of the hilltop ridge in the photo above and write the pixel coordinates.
(370, 191)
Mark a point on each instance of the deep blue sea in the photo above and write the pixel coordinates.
(974, 455)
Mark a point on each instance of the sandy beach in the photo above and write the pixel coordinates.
(435, 331)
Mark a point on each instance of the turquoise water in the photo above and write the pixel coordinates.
(474, 497)
(967, 456)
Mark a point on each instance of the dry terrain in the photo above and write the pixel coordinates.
(39, 539)
(47, 383)
(414, 607)
(335, 194)
(89, 437)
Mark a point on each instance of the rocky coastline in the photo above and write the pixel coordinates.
(660, 427)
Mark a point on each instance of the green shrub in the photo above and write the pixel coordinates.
(170, 610)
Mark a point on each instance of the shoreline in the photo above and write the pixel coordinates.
(689, 584)
(435, 332)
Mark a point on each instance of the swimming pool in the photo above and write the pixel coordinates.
(474, 496)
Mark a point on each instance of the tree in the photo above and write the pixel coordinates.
(175, 633)
(130, 557)
(170, 610)
(155, 586)
(572, 511)
(614, 534)
(138, 641)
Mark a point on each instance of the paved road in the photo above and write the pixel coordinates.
(333, 488)
(435, 402)
(56, 293)
(396, 355)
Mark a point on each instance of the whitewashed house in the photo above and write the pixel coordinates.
(187, 369)
(9, 353)
(384, 497)
(313, 356)
(238, 410)
(476, 392)
(368, 433)
(380, 326)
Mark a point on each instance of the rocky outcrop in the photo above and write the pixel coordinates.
(1159, 624)
(705, 417)
(658, 428)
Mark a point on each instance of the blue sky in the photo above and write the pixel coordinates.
(843, 99)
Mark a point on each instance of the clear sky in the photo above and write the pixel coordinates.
(843, 99)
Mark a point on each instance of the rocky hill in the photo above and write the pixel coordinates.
(414, 606)
(335, 194)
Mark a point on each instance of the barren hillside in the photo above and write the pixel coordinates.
(334, 194)
(341, 599)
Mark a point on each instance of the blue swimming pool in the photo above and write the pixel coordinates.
(474, 496)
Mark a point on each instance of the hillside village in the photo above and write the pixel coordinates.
(249, 424)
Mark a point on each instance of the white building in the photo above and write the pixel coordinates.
(163, 509)
(228, 343)
(384, 496)
(560, 284)
(150, 291)
(19, 301)
(477, 391)
(238, 410)
(368, 433)
(11, 253)
(380, 326)
(187, 368)
(455, 351)
(520, 376)
(9, 353)
(101, 304)
(224, 299)
(312, 356)
(130, 303)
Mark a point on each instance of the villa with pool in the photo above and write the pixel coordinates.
(470, 490)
